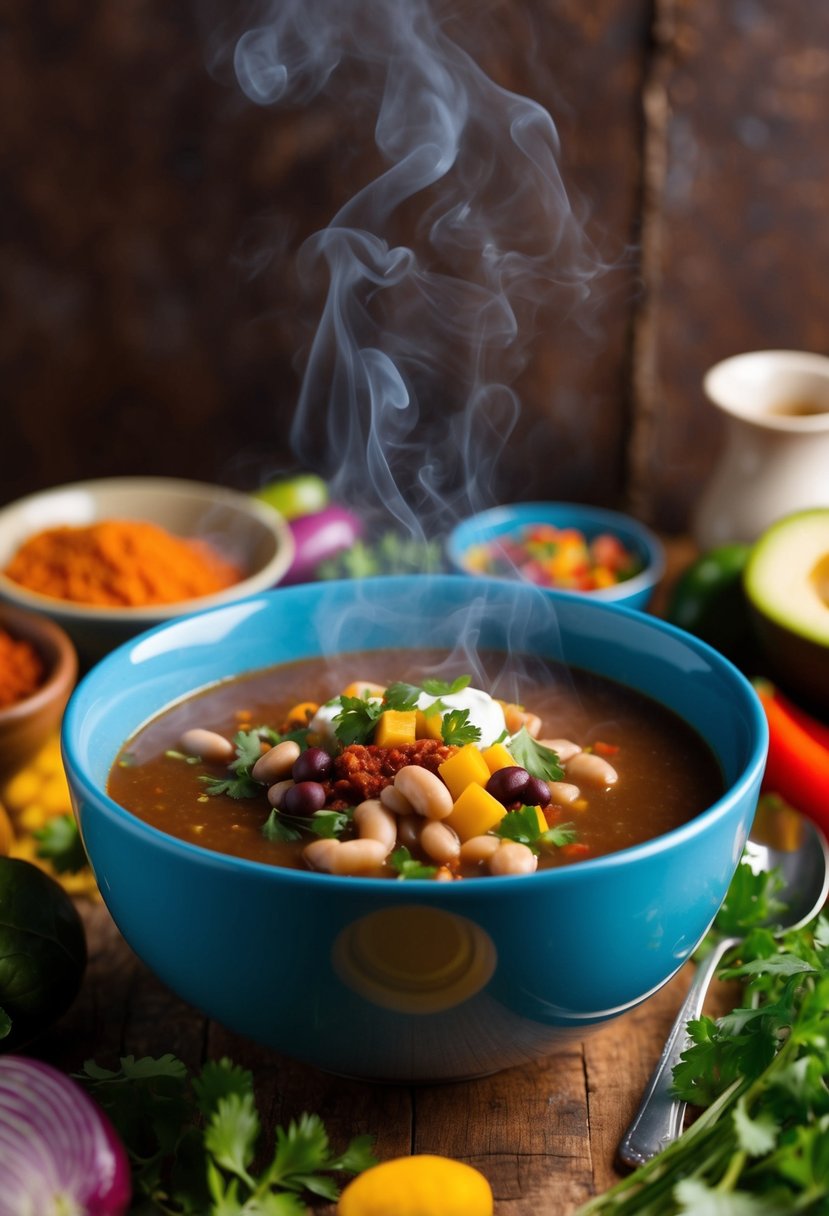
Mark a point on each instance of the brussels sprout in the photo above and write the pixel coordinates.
(42, 952)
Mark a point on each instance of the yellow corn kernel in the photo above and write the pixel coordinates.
(364, 689)
(48, 759)
(395, 728)
(429, 725)
(497, 756)
(475, 812)
(466, 767)
(22, 789)
(54, 795)
(32, 817)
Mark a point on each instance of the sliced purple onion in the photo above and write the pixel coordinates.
(318, 537)
(58, 1151)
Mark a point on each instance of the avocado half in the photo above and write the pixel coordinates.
(786, 582)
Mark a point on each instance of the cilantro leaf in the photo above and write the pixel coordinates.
(523, 827)
(356, 719)
(750, 901)
(231, 1134)
(59, 842)
(192, 1140)
(278, 828)
(248, 746)
(407, 866)
(401, 696)
(538, 760)
(456, 730)
(440, 688)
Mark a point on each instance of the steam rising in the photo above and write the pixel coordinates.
(406, 398)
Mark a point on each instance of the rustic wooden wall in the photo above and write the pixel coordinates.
(153, 318)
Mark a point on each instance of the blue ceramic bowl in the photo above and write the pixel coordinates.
(501, 523)
(414, 980)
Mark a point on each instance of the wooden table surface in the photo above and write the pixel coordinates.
(545, 1135)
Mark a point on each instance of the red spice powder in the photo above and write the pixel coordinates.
(22, 670)
(120, 563)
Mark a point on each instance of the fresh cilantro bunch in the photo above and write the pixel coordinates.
(192, 1142)
(761, 1145)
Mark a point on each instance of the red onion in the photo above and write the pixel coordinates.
(58, 1151)
(318, 536)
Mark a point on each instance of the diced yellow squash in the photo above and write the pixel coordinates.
(475, 812)
(395, 728)
(542, 822)
(429, 725)
(496, 757)
(466, 767)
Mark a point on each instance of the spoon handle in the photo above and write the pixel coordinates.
(658, 1120)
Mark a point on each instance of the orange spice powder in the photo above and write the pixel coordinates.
(22, 670)
(120, 563)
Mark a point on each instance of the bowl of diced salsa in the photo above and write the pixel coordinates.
(569, 547)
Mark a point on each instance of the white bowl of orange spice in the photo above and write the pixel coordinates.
(109, 558)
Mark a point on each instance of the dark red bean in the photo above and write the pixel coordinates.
(312, 765)
(536, 792)
(508, 784)
(303, 798)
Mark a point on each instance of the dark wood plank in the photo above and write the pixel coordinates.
(735, 236)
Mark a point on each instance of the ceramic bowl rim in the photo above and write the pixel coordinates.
(266, 576)
(453, 892)
(64, 670)
(515, 515)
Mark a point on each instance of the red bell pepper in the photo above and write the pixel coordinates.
(798, 761)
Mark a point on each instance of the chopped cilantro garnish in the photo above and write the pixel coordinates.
(356, 720)
(248, 746)
(538, 760)
(407, 866)
(330, 824)
(523, 827)
(401, 696)
(456, 729)
(440, 688)
(172, 754)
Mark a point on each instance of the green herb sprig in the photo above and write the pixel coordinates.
(761, 1145)
(248, 745)
(192, 1141)
(406, 866)
(538, 760)
(523, 827)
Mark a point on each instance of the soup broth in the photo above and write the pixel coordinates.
(643, 771)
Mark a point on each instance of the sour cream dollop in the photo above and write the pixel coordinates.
(484, 712)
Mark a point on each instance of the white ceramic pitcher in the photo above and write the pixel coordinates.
(776, 453)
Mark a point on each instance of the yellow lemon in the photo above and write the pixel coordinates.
(423, 1185)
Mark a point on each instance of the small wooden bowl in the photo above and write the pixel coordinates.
(26, 725)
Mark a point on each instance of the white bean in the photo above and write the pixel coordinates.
(589, 769)
(409, 829)
(374, 822)
(426, 792)
(276, 762)
(345, 857)
(394, 800)
(208, 745)
(564, 748)
(478, 848)
(513, 858)
(439, 841)
(277, 792)
(563, 792)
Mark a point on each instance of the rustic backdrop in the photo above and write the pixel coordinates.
(153, 319)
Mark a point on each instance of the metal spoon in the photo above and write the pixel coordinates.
(780, 839)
